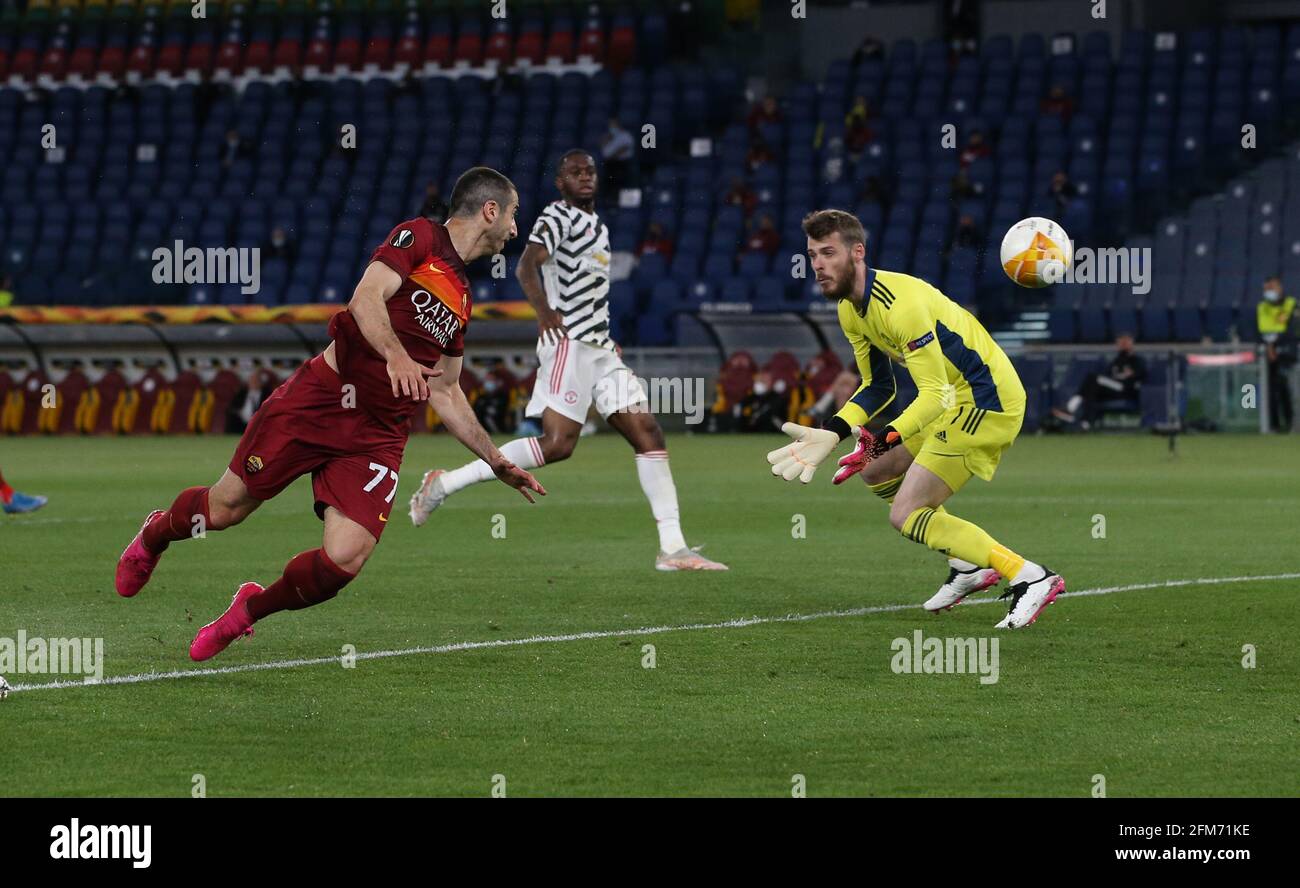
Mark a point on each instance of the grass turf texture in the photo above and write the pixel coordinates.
(1144, 687)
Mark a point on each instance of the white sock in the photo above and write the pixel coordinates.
(1075, 402)
(523, 452)
(963, 566)
(657, 483)
(1029, 573)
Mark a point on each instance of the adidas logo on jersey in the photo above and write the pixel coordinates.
(941, 435)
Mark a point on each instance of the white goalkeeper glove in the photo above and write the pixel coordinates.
(801, 459)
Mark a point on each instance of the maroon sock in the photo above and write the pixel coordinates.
(309, 578)
(177, 523)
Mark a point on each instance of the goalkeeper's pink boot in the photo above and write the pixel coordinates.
(235, 623)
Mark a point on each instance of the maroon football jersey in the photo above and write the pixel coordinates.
(429, 313)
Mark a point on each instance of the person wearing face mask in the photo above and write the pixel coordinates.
(1274, 315)
(765, 408)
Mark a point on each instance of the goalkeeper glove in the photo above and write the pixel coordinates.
(869, 447)
(801, 459)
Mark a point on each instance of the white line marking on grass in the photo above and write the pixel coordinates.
(738, 623)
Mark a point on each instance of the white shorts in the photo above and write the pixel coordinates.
(572, 374)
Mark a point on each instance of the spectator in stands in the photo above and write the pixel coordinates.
(1276, 318)
(968, 234)
(656, 240)
(976, 147)
(763, 237)
(246, 401)
(1062, 190)
(1057, 103)
(759, 153)
(869, 48)
(1121, 381)
(616, 150)
(434, 208)
(963, 187)
(835, 397)
(766, 111)
(961, 25)
(739, 194)
(857, 126)
(6, 291)
(764, 409)
(492, 406)
(233, 149)
(873, 191)
(279, 246)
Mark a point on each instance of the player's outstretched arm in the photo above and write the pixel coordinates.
(377, 286)
(457, 415)
(550, 325)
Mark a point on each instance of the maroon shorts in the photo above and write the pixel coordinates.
(308, 425)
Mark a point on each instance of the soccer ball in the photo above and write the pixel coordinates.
(1036, 252)
(4, 688)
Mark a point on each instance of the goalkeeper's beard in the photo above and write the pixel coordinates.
(839, 286)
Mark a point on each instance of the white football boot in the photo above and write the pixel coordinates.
(686, 559)
(1033, 589)
(964, 579)
(430, 496)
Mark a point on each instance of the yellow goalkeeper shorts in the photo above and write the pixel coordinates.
(966, 441)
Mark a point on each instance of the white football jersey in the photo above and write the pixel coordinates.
(576, 274)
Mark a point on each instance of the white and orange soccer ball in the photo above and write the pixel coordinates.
(1036, 252)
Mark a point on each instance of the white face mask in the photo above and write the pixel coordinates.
(760, 388)
(1272, 295)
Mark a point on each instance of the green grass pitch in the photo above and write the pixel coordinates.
(1145, 687)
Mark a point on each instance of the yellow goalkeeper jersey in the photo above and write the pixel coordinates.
(951, 357)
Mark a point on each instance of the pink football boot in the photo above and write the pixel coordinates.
(234, 623)
(136, 564)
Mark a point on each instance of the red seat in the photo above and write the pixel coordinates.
(112, 61)
(529, 46)
(379, 51)
(560, 46)
(223, 388)
(71, 390)
(24, 63)
(81, 63)
(171, 59)
(622, 49)
(437, 49)
(111, 390)
(408, 52)
(199, 58)
(469, 48)
(229, 58)
(318, 54)
(498, 48)
(147, 390)
(288, 54)
(185, 388)
(33, 394)
(140, 61)
(258, 57)
(592, 44)
(54, 62)
(348, 53)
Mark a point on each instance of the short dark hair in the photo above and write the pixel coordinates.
(821, 224)
(572, 152)
(475, 187)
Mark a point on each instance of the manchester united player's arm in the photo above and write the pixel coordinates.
(376, 287)
(448, 400)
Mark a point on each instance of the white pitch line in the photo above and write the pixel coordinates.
(737, 623)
